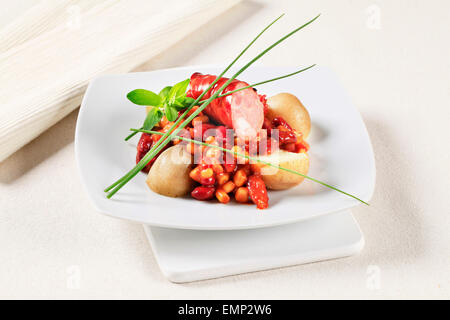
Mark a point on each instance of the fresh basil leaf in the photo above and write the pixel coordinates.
(153, 117)
(181, 88)
(171, 113)
(165, 92)
(177, 91)
(172, 95)
(179, 104)
(144, 97)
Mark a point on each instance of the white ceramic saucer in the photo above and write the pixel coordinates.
(192, 255)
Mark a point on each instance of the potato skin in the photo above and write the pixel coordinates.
(277, 179)
(169, 175)
(290, 108)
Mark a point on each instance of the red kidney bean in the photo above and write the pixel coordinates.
(144, 145)
(209, 182)
(203, 193)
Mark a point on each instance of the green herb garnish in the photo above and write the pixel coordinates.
(167, 102)
(144, 97)
(153, 117)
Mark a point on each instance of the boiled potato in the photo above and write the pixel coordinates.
(277, 179)
(169, 175)
(290, 109)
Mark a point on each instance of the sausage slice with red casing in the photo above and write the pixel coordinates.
(242, 111)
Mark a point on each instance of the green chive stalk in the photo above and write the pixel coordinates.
(253, 159)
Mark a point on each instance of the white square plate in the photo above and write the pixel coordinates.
(340, 154)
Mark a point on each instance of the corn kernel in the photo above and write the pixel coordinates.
(207, 173)
(195, 174)
(241, 195)
(228, 187)
(222, 196)
(240, 178)
(217, 168)
(222, 178)
(202, 119)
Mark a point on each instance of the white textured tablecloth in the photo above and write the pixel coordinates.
(51, 52)
(54, 245)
